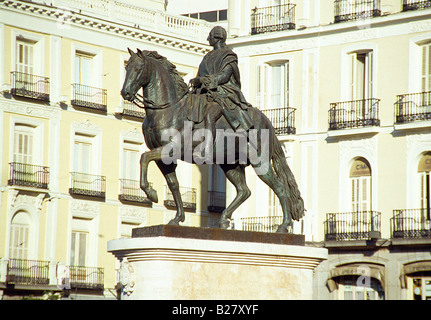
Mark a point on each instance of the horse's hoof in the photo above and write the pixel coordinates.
(282, 229)
(224, 224)
(152, 195)
(173, 222)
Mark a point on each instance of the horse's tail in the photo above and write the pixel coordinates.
(284, 173)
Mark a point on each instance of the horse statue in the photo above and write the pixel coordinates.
(166, 98)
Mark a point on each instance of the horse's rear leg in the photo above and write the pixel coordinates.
(171, 178)
(236, 175)
(271, 179)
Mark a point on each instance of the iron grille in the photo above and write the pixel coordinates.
(28, 175)
(89, 97)
(411, 223)
(364, 225)
(413, 107)
(354, 114)
(30, 86)
(274, 18)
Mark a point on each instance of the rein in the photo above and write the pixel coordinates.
(145, 103)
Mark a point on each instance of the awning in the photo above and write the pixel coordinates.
(414, 267)
(357, 269)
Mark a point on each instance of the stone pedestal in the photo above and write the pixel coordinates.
(181, 263)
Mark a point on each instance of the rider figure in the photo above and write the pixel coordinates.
(218, 77)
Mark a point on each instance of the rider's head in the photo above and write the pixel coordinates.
(217, 34)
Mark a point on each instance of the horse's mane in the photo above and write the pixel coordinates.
(169, 67)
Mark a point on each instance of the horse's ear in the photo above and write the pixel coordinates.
(130, 51)
(139, 52)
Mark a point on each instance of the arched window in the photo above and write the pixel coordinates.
(360, 177)
(19, 236)
(424, 170)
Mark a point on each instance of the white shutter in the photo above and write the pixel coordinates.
(19, 237)
(25, 57)
(369, 75)
(23, 144)
(426, 67)
(262, 86)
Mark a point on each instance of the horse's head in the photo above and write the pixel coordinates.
(135, 75)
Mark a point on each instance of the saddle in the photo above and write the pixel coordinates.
(235, 113)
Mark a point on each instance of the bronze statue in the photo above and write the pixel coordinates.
(215, 102)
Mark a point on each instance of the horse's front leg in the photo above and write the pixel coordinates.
(146, 158)
(168, 170)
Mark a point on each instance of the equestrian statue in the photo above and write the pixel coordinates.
(213, 106)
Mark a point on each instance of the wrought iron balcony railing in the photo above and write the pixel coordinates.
(28, 175)
(283, 120)
(89, 97)
(188, 195)
(274, 18)
(354, 114)
(216, 201)
(411, 223)
(363, 225)
(30, 86)
(87, 185)
(346, 10)
(131, 191)
(86, 277)
(416, 4)
(263, 224)
(27, 272)
(132, 110)
(413, 107)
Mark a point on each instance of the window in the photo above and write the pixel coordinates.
(83, 153)
(79, 245)
(425, 187)
(25, 56)
(130, 169)
(351, 288)
(83, 68)
(361, 75)
(126, 229)
(426, 67)
(273, 85)
(23, 144)
(360, 177)
(19, 236)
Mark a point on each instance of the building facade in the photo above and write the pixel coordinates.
(71, 146)
(346, 84)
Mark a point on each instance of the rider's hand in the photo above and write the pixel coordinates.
(196, 82)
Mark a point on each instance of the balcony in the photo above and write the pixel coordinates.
(262, 224)
(87, 185)
(346, 10)
(283, 120)
(86, 278)
(411, 223)
(413, 107)
(130, 191)
(354, 114)
(27, 272)
(188, 195)
(28, 175)
(30, 86)
(216, 201)
(363, 225)
(89, 97)
(274, 18)
(415, 4)
(132, 110)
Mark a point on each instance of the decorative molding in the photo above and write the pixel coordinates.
(84, 209)
(30, 110)
(66, 18)
(127, 277)
(133, 212)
